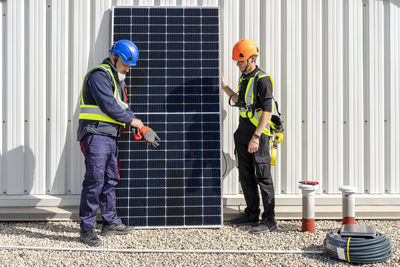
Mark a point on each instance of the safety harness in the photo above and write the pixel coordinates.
(248, 109)
(93, 112)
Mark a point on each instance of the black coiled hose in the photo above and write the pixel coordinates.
(357, 249)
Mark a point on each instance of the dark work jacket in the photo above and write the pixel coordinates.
(98, 89)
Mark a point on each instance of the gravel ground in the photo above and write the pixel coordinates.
(287, 237)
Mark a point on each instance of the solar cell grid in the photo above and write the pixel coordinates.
(174, 89)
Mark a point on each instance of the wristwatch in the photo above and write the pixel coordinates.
(256, 135)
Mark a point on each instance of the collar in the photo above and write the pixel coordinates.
(251, 74)
(108, 62)
(114, 70)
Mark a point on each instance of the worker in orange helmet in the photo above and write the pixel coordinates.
(254, 99)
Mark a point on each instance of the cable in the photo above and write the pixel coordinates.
(226, 164)
(236, 251)
(358, 249)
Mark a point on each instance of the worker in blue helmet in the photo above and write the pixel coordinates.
(103, 115)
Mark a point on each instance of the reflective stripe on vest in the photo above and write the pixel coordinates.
(93, 112)
(249, 100)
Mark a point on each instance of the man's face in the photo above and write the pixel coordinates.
(122, 67)
(242, 65)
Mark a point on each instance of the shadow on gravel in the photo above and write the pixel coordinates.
(244, 228)
(288, 227)
(282, 228)
(42, 230)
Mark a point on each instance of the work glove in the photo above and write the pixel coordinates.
(150, 136)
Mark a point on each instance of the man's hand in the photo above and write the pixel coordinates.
(223, 84)
(137, 123)
(150, 136)
(229, 92)
(253, 144)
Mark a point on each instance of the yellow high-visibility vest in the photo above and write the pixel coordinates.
(93, 112)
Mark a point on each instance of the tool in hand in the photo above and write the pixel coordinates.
(148, 134)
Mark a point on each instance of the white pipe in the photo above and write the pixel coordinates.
(167, 250)
(348, 204)
(308, 207)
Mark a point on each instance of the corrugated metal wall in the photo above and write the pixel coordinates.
(336, 71)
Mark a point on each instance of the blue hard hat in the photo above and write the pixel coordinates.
(127, 50)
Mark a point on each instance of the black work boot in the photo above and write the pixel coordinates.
(120, 229)
(90, 238)
(242, 219)
(264, 226)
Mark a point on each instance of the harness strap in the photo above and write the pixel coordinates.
(276, 127)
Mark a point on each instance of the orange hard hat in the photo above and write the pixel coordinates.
(244, 49)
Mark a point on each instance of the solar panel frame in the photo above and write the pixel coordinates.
(185, 65)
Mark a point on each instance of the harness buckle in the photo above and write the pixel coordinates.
(249, 109)
(275, 143)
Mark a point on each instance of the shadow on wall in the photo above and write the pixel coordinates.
(194, 132)
(102, 40)
(20, 181)
(62, 174)
(21, 178)
(17, 179)
(394, 2)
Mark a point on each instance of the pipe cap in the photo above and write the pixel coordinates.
(347, 189)
(308, 187)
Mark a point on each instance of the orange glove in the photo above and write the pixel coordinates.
(150, 136)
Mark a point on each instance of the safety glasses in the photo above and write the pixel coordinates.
(239, 62)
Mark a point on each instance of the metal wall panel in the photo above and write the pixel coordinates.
(91, 48)
(35, 88)
(312, 93)
(291, 90)
(167, 2)
(335, 67)
(15, 82)
(374, 95)
(3, 91)
(270, 59)
(229, 31)
(353, 95)
(333, 97)
(392, 117)
(57, 97)
(250, 27)
(188, 2)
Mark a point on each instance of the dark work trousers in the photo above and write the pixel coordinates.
(101, 160)
(254, 172)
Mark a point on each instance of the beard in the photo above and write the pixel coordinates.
(121, 77)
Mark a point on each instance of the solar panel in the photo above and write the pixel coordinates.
(174, 89)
